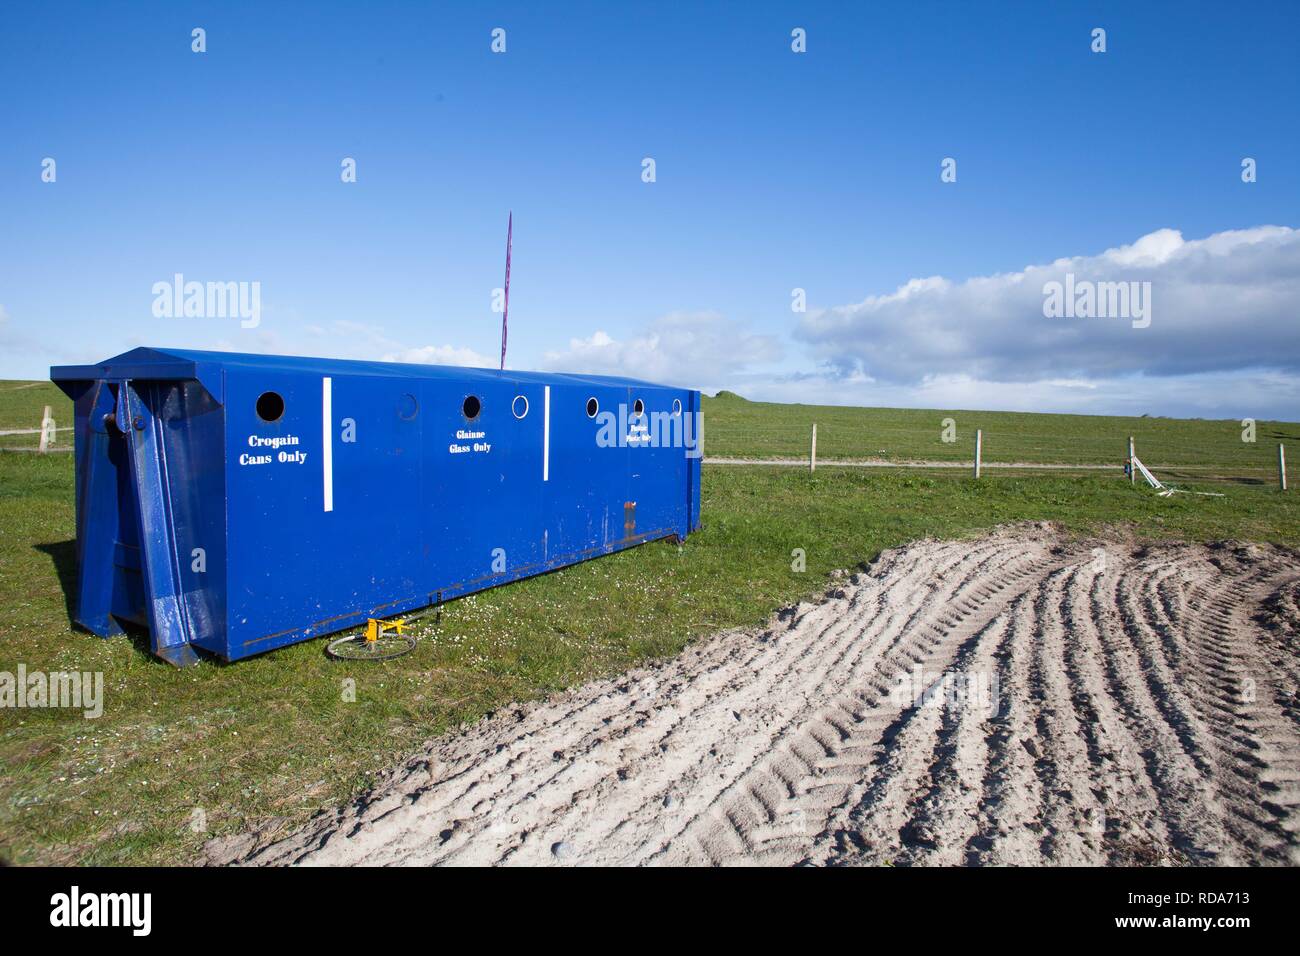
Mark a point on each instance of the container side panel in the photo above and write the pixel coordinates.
(657, 458)
(483, 483)
(587, 508)
(295, 567)
(695, 456)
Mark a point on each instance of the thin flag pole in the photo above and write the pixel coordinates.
(505, 311)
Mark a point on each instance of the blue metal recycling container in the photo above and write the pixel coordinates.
(238, 503)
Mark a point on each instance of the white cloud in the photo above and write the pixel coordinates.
(1254, 393)
(442, 355)
(1224, 340)
(700, 350)
(1227, 302)
(344, 338)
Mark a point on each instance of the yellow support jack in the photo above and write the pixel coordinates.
(375, 628)
(382, 640)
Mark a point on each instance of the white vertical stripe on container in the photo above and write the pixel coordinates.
(327, 440)
(546, 433)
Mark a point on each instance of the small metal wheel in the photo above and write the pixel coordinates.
(382, 648)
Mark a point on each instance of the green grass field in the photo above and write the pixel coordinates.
(273, 738)
(22, 405)
(736, 428)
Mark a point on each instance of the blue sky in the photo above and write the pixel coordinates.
(774, 171)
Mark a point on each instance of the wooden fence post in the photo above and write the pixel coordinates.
(47, 430)
(1132, 468)
(812, 454)
(979, 449)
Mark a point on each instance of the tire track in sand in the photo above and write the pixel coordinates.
(1144, 709)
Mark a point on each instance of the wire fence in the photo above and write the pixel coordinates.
(1186, 446)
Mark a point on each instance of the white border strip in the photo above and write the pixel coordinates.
(546, 434)
(327, 440)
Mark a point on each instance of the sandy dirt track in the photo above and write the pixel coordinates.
(1146, 711)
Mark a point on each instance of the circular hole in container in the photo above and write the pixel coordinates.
(270, 406)
(638, 408)
(677, 406)
(471, 407)
(519, 406)
(408, 406)
(593, 407)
